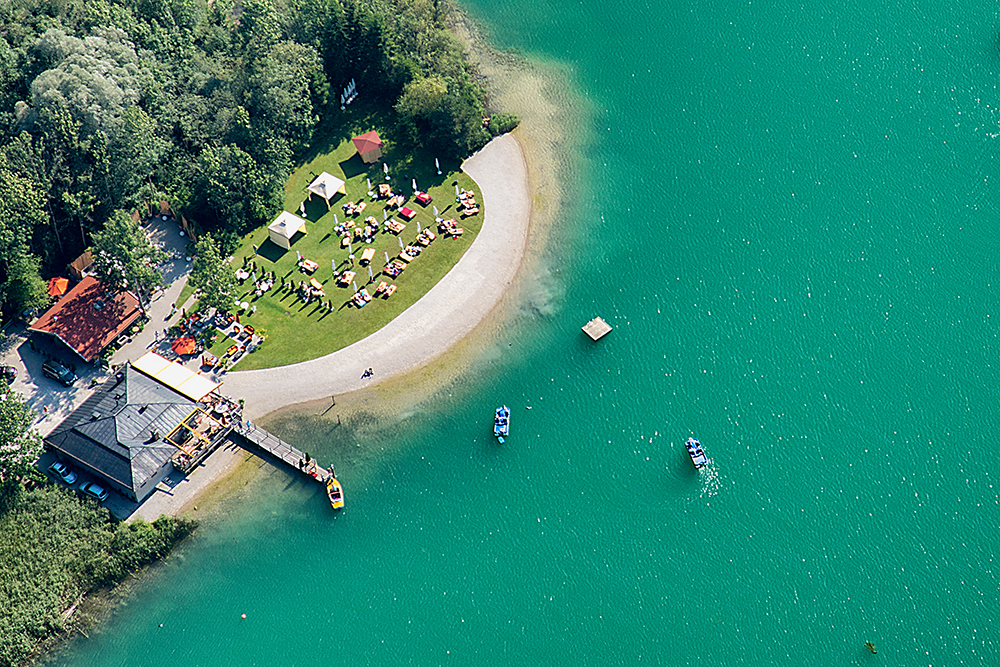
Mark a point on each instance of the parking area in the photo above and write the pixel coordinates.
(120, 506)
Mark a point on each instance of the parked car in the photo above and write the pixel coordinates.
(94, 491)
(59, 373)
(8, 373)
(60, 470)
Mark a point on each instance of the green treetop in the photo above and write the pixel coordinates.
(211, 276)
(20, 445)
(124, 258)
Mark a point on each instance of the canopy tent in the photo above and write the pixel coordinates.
(284, 227)
(177, 377)
(369, 146)
(58, 286)
(326, 185)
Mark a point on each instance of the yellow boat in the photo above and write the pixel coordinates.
(335, 493)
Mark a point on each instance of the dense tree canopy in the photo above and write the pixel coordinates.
(105, 104)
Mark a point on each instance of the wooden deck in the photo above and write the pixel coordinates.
(279, 449)
(596, 328)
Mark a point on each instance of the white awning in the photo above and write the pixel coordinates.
(193, 385)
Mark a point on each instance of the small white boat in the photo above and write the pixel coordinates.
(697, 454)
(501, 423)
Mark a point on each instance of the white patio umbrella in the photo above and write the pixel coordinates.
(418, 228)
(386, 257)
(370, 277)
(414, 183)
(385, 167)
(385, 215)
(400, 241)
(435, 211)
(333, 265)
(298, 256)
(456, 189)
(335, 221)
(355, 283)
(350, 250)
(437, 165)
(369, 183)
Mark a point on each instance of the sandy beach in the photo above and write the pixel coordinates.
(432, 325)
(422, 333)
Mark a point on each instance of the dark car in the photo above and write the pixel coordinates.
(8, 373)
(94, 491)
(58, 372)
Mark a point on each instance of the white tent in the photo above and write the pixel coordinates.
(285, 227)
(326, 185)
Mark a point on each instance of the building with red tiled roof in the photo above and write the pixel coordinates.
(89, 317)
(369, 146)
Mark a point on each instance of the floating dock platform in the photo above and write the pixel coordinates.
(596, 328)
(279, 449)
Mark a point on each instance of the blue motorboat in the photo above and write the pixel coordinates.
(501, 423)
(697, 454)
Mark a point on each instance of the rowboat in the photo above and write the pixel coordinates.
(335, 492)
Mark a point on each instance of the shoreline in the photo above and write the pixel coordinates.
(438, 320)
(427, 330)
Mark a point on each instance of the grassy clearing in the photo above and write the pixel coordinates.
(297, 331)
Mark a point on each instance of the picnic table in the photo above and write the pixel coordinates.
(367, 255)
(407, 212)
(424, 198)
(395, 226)
(346, 277)
(308, 265)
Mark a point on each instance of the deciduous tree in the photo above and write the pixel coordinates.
(124, 258)
(211, 276)
(20, 445)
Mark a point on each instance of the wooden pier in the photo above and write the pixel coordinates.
(279, 449)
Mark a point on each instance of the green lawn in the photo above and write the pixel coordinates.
(297, 331)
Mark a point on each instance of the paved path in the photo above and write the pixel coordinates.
(449, 311)
(50, 400)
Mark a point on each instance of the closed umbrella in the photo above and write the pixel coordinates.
(414, 184)
(370, 277)
(386, 257)
(385, 168)
(435, 211)
(438, 165)
(400, 241)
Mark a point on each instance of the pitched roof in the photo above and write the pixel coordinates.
(326, 185)
(89, 317)
(367, 142)
(112, 431)
(287, 225)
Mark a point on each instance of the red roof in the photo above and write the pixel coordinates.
(89, 317)
(367, 142)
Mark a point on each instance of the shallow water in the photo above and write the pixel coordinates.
(787, 213)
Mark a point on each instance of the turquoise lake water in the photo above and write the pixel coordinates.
(789, 214)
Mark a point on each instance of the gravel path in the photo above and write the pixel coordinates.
(449, 311)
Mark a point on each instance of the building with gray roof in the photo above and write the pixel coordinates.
(119, 434)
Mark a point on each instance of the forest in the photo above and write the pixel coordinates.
(106, 105)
